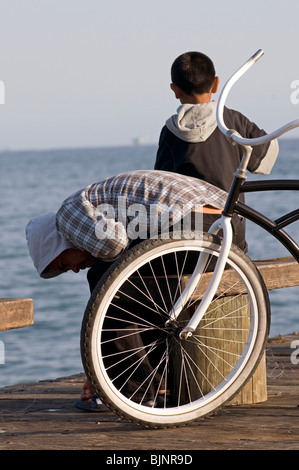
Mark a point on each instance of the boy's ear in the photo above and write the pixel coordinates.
(177, 91)
(215, 85)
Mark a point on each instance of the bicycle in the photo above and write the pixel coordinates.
(160, 321)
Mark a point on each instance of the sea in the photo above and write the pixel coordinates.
(37, 181)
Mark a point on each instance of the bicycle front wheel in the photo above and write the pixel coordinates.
(137, 362)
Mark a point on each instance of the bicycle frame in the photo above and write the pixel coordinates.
(233, 205)
(275, 227)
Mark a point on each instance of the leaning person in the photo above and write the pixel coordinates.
(95, 225)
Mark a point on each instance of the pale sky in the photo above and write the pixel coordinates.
(89, 73)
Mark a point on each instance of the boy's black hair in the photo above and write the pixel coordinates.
(193, 73)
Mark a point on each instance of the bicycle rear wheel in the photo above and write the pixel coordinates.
(138, 364)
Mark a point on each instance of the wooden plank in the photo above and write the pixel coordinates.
(15, 313)
(42, 416)
(277, 274)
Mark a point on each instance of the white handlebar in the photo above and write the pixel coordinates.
(232, 134)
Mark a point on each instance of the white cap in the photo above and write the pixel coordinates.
(45, 243)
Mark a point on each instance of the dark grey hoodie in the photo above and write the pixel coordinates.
(192, 144)
(195, 123)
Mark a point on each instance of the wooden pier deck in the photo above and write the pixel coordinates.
(42, 416)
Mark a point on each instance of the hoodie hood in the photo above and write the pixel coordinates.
(45, 243)
(193, 123)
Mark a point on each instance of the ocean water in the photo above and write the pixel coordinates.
(34, 182)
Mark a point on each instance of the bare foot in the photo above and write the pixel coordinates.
(87, 391)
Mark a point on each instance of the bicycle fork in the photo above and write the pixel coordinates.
(223, 223)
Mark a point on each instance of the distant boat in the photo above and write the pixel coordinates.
(138, 141)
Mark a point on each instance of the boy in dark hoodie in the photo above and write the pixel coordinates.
(191, 143)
